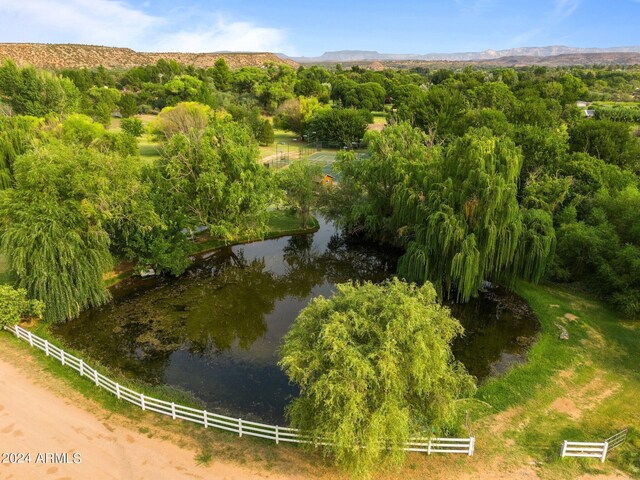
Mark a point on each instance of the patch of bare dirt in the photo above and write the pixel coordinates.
(585, 397)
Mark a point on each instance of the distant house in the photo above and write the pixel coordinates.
(589, 113)
(582, 104)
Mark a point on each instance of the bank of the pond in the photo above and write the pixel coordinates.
(583, 388)
(279, 224)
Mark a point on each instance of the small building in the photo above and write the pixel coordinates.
(326, 180)
(582, 104)
(589, 113)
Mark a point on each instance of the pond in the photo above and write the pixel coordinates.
(215, 331)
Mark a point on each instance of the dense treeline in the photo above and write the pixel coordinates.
(481, 175)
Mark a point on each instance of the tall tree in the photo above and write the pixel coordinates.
(217, 179)
(374, 366)
(301, 182)
(465, 220)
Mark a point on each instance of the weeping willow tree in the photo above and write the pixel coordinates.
(51, 229)
(465, 223)
(374, 366)
(363, 200)
(56, 255)
(15, 139)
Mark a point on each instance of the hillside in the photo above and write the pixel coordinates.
(617, 58)
(56, 56)
(343, 56)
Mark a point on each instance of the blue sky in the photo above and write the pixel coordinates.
(311, 27)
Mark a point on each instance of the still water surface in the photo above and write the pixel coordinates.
(215, 331)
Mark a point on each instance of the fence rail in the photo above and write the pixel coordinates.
(585, 449)
(617, 439)
(593, 449)
(213, 420)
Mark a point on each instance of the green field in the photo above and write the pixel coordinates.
(282, 136)
(149, 150)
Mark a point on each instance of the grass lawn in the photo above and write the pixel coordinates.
(148, 149)
(285, 137)
(581, 389)
(613, 104)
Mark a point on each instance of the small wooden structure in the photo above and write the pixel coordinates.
(327, 180)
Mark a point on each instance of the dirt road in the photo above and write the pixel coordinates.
(35, 420)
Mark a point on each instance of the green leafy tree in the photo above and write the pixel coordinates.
(14, 306)
(217, 179)
(607, 140)
(36, 92)
(69, 205)
(603, 250)
(132, 126)
(374, 366)
(183, 118)
(221, 75)
(57, 255)
(363, 198)
(342, 126)
(16, 137)
(301, 182)
(128, 105)
(463, 220)
(295, 114)
(265, 133)
(100, 103)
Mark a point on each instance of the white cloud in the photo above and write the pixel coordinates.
(74, 21)
(117, 23)
(564, 8)
(224, 35)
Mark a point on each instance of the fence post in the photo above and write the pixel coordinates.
(206, 420)
(62, 356)
(240, 427)
(564, 449)
(95, 377)
(30, 338)
(81, 368)
(173, 410)
(604, 451)
(15, 329)
(429, 448)
(142, 401)
(118, 390)
(277, 436)
(46, 347)
(472, 446)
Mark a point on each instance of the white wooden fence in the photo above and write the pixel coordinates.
(593, 449)
(213, 420)
(585, 449)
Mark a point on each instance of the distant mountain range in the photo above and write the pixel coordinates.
(369, 56)
(56, 56)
